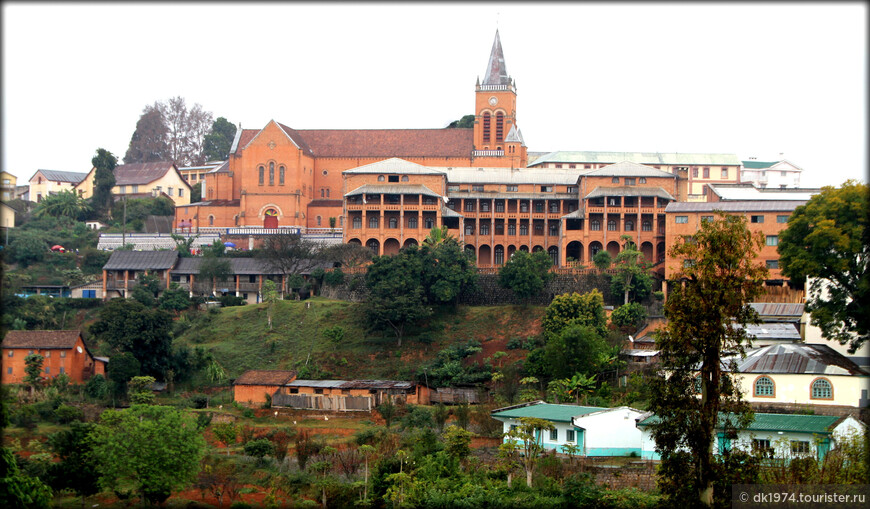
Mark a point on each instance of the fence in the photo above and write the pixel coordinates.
(339, 403)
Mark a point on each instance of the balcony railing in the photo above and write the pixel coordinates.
(487, 153)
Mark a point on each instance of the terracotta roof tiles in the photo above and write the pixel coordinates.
(41, 339)
(265, 377)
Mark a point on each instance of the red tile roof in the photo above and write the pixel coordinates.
(265, 377)
(376, 142)
(43, 339)
(140, 173)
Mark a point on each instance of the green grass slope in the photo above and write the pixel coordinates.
(328, 339)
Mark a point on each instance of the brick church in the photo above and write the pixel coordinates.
(278, 176)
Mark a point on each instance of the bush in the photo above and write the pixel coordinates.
(514, 343)
(334, 277)
(97, 387)
(198, 401)
(66, 414)
(232, 300)
(259, 448)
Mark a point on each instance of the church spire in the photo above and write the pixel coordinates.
(496, 70)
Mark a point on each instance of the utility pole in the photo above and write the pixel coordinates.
(124, 229)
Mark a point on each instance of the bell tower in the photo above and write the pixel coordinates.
(495, 131)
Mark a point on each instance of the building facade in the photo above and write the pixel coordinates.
(773, 174)
(63, 352)
(47, 182)
(8, 183)
(142, 180)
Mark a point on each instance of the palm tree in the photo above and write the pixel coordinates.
(438, 236)
(64, 203)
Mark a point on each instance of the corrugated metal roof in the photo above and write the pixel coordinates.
(734, 206)
(377, 384)
(242, 266)
(140, 173)
(62, 176)
(748, 192)
(653, 158)
(141, 260)
(446, 212)
(393, 189)
(331, 384)
(818, 424)
(535, 176)
(795, 358)
(577, 214)
(394, 165)
(540, 410)
(757, 165)
(784, 331)
(628, 169)
(776, 309)
(629, 191)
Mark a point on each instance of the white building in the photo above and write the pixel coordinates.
(596, 431)
(774, 174)
(783, 435)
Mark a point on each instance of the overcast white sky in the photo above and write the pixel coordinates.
(754, 80)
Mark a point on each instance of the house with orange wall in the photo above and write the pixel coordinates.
(253, 386)
(64, 352)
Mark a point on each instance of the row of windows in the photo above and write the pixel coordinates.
(499, 127)
(629, 181)
(47, 370)
(262, 174)
(757, 219)
(762, 445)
(821, 388)
(46, 354)
(613, 225)
(393, 222)
(553, 208)
(479, 188)
(554, 434)
(706, 171)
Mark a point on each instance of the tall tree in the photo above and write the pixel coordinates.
(447, 270)
(128, 326)
(153, 449)
(186, 131)
(528, 437)
(104, 163)
(33, 368)
(827, 239)
(347, 255)
(77, 468)
(526, 274)
(149, 141)
(706, 316)
(219, 140)
(289, 254)
(396, 294)
(631, 273)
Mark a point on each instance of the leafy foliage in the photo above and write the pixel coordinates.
(149, 449)
(632, 275)
(19, 490)
(467, 121)
(575, 309)
(77, 468)
(219, 140)
(396, 294)
(703, 317)
(526, 274)
(66, 203)
(104, 163)
(602, 260)
(628, 316)
(128, 326)
(827, 240)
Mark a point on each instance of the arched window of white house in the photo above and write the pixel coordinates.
(821, 389)
(763, 387)
(357, 222)
(394, 223)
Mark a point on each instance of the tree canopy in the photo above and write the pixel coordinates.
(150, 450)
(129, 326)
(467, 121)
(632, 277)
(706, 317)
(827, 241)
(289, 254)
(396, 294)
(526, 274)
(104, 163)
(65, 203)
(148, 143)
(170, 131)
(219, 140)
(575, 309)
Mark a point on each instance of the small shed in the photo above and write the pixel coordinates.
(254, 386)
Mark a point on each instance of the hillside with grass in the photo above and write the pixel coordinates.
(323, 338)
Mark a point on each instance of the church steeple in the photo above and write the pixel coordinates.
(496, 70)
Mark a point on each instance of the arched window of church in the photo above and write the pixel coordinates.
(271, 174)
(499, 126)
(262, 174)
(486, 126)
(281, 175)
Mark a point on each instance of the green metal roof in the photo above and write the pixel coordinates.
(558, 413)
(757, 165)
(819, 424)
(639, 158)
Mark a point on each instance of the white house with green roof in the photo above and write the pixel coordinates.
(782, 435)
(771, 174)
(596, 431)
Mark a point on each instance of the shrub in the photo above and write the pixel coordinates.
(259, 448)
(514, 343)
(97, 387)
(65, 414)
(198, 401)
(333, 278)
(232, 300)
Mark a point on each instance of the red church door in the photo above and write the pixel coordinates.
(271, 219)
